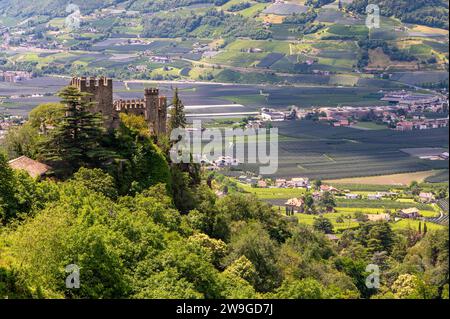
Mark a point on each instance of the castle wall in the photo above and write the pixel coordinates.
(152, 106)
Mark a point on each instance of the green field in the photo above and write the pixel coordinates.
(414, 224)
(273, 193)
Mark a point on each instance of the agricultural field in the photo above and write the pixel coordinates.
(325, 152)
(393, 179)
(414, 224)
(237, 53)
(273, 193)
(349, 221)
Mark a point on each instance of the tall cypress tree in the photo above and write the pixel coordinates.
(177, 115)
(75, 142)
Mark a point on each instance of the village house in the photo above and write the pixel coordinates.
(298, 182)
(404, 126)
(262, 184)
(254, 180)
(426, 197)
(411, 213)
(386, 194)
(328, 188)
(34, 168)
(352, 196)
(15, 76)
(272, 116)
(280, 182)
(316, 195)
(253, 125)
(294, 205)
(342, 123)
(422, 124)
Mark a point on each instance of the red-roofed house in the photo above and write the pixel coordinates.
(34, 168)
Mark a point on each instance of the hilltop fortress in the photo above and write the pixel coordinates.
(153, 106)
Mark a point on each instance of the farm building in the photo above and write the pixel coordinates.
(352, 196)
(412, 212)
(34, 168)
(328, 188)
(374, 196)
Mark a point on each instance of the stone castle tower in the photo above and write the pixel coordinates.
(153, 106)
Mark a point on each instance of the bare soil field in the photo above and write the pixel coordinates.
(394, 179)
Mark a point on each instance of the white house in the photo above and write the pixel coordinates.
(224, 161)
(299, 182)
(272, 116)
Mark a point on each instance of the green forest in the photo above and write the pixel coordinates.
(139, 226)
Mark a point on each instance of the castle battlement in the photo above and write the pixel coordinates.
(121, 105)
(91, 82)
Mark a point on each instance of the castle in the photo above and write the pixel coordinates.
(153, 106)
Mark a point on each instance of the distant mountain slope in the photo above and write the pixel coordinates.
(433, 13)
(29, 8)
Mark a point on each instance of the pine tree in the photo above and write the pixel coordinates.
(75, 142)
(177, 115)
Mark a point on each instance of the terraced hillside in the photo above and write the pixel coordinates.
(245, 41)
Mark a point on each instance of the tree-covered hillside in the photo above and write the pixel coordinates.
(139, 226)
(30, 8)
(428, 12)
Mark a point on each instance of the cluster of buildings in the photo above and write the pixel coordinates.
(270, 115)
(160, 59)
(405, 112)
(15, 76)
(421, 124)
(295, 182)
(7, 121)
